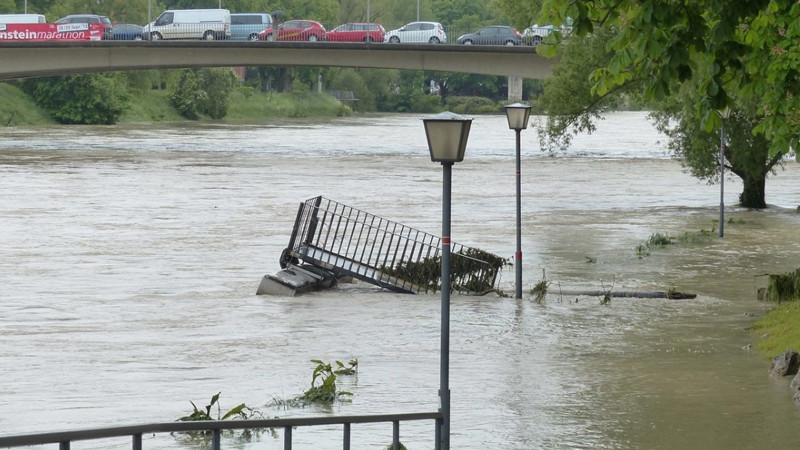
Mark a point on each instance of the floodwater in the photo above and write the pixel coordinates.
(131, 256)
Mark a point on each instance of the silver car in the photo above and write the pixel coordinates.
(417, 32)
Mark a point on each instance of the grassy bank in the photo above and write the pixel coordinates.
(16, 108)
(245, 105)
(778, 330)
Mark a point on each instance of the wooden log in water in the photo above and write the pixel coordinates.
(672, 295)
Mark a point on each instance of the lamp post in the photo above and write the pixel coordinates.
(149, 19)
(518, 115)
(447, 135)
(724, 114)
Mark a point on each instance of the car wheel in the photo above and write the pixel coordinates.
(269, 38)
(394, 40)
(155, 36)
(536, 41)
(253, 37)
(434, 40)
(312, 38)
(369, 40)
(467, 42)
(209, 36)
(138, 37)
(509, 42)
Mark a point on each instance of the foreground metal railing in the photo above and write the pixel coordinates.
(215, 427)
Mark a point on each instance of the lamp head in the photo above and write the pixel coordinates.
(725, 112)
(447, 134)
(518, 115)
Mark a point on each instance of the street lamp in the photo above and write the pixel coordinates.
(724, 114)
(447, 139)
(517, 115)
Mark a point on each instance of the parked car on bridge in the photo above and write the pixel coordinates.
(357, 32)
(205, 24)
(126, 32)
(431, 32)
(295, 30)
(247, 26)
(104, 21)
(534, 35)
(492, 35)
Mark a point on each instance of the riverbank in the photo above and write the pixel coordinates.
(777, 330)
(17, 109)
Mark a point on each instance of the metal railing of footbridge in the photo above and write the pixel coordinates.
(352, 242)
(215, 428)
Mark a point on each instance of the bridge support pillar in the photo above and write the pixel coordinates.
(514, 89)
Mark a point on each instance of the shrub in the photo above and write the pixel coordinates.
(203, 91)
(91, 99)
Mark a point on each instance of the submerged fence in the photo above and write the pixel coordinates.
(351, 242)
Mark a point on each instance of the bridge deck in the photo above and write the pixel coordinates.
(31, 59)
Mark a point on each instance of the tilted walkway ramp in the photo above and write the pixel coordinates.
(348, 242)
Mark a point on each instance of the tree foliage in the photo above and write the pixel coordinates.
(742, 48)
(93, 99)
(8, 7)
(203, 92)
(689, 60)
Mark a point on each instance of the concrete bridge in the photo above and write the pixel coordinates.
(33, 59)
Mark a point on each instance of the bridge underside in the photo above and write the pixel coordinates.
(33, 59)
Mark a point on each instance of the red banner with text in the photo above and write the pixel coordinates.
(51, 32)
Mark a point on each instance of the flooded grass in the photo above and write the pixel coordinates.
(778, 331)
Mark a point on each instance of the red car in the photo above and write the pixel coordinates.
(295, 30)
(357, 32)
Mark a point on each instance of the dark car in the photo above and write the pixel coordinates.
(126, 32)
(294, 30)
(493, 35)
(357, 32)
(104, 21)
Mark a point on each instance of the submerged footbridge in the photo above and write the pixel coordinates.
(331, 241)
(34, 59)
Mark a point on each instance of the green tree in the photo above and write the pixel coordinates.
(379, 82)
(346, 79)
(119, 11)
(188, 97)
(521, 14)
(746, 154)
(750, 47)
(450, 11)
(92, 99)
(203, 92)
(218, 82)
(691, 60)
(8, 7)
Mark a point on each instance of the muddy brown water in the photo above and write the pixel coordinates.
(131, 255)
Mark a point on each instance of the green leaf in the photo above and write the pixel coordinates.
(235, 411)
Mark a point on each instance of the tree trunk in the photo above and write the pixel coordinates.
(262, 76)
(753, 195)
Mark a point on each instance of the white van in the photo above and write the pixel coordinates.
(208, 24)
(22, 18)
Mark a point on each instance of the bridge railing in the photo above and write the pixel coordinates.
(215, 428)
(425, 33)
